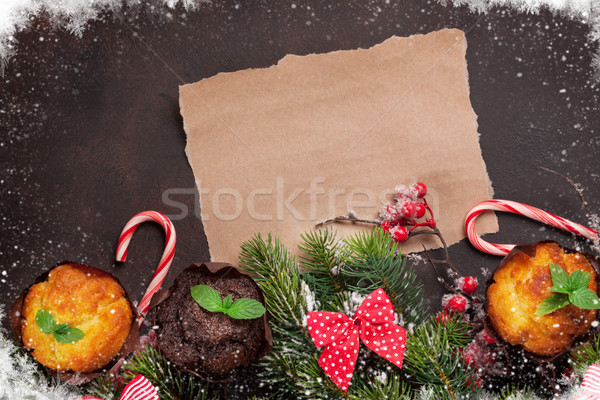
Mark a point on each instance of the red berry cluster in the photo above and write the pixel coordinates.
(457, 303)
(400, 218)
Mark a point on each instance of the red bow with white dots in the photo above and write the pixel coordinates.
(373, 322)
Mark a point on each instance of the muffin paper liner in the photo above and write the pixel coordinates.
(132, 343)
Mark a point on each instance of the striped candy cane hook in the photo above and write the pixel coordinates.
(520, 209)
(165, 261)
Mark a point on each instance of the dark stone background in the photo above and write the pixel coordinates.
(90, 131)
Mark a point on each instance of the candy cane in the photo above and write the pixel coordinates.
(165, 261)
(520, 209)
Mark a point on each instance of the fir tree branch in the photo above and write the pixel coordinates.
(172, 384)
(392, 274)
(294, 354)
(370, 244)
(584, 355)
(321, 258)
(393, 388)
(277, 275)
(433, 357)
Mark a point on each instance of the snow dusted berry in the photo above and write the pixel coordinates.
(420, 188)
(454, 303)
(389, 212)
(419, 210)
(442, 317)
(470, 353)
(487, 338)
(476, 384)
(399, 233)
(406, 193)
(408, 209)
(467, 284)
(386, 225)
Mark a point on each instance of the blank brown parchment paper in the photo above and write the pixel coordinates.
(276, 150)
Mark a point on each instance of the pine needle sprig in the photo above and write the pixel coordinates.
(321, 259)
(366, 274)
(516, 392)
(393, 389)
(172, 384)
(105, 387)
(584, 355)
(433, 357)
(293, 361)
(370, 244)
(278, 276)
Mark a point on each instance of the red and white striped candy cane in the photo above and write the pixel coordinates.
(165, 261)
(520, 209)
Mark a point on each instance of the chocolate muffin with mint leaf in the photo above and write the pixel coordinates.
(213, 321)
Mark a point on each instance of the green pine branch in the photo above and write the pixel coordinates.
(321, 259)
(516, 392)
(278, 275)
(389, 387)
(370, 244)
(105, 387)
(433, 358)
(365, 275)
(584, 355)
(172, 384)
(293, 361)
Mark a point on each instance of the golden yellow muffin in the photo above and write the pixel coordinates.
(518, 287)
(85, 298)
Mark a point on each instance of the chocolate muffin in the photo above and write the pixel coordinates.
(521, 282)
(210, 344)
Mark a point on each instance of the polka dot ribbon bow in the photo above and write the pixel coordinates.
(373, 322)
(139, 388)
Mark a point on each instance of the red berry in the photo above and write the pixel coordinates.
(443, 317)
(488, 338)
(455, 303)
(476, 384)
(389, 212)
(421, 189)
(430, 222)
(408, 209)
(469, 357)
(467, 284)
(399, 234)
(386, 225)
(419, 210)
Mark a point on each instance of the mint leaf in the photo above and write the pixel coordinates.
(45, 321)
(564, 290)
(579, 279)
(207, 298)
(552, 303)
(560, 278)
(62, 328)
(585, 298)
(227, 302)
(245, 309)
(68, 334)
